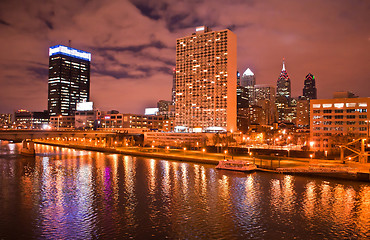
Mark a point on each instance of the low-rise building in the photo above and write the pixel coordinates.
(334, 122)
(87, 119)
(62, 122)
(119, 121)
(24, 119)
(6, 120)
(173, 139)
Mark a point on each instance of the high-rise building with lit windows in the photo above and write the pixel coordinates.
(284, 102)
(206, 81)
(248, 80)
(69, 79)
(283, 84)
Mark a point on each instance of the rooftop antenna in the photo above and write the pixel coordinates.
(69, 43)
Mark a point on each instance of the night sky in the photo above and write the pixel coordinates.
(133, 45)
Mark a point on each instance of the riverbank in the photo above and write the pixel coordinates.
(292, 166)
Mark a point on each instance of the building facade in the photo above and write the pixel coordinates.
(265, 96)
(206, 81)
(24, 119)
(62, 122)
(335, 121)
(87, 119)
(141, 123)
(303, 113)
(6, 120)
(69, 79)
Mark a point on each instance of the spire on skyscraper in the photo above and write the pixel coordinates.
(283, 65)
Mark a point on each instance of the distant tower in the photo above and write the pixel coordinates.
(283, 84)
(248, 80)
(284, 103)
(69, 79)
(309, 89)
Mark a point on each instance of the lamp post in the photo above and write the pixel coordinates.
(203, 150)
(312, 143)
(225, 154)
(58, 122)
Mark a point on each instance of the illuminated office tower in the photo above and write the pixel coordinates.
(248, 80)
(309, 90)
(206, 81)
(283, 84)
(283, 97)
(69, 79)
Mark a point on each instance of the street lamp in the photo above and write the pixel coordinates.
(203, 150)
(58, 121)
(225, 154)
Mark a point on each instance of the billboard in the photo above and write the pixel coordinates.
(84, 106)
(151, 111)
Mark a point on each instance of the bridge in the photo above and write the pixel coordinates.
(104, 136)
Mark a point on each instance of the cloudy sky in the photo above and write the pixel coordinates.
(133, 45)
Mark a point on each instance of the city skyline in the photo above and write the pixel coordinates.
(133, 46)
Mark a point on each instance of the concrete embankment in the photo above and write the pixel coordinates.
(328, 171)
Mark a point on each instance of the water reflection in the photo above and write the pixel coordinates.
(66, 193)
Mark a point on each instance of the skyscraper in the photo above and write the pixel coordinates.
(284, 102)
(309, 89)
(265, 97)
(248, 80)
(206, 80)
(283, 84)
(69, 79)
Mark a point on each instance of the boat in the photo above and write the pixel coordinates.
(28, 148)
(236, 165)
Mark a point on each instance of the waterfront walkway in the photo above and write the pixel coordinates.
(264, 163)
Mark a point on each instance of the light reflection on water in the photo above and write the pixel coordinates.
(67, 194)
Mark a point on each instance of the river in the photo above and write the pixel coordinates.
(73, 194)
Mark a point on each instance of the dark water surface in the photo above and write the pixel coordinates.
(73, 194)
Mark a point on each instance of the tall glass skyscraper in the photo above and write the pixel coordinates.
(248, 80)
(69, 79)
(283, 84)
(309, 89)
(284, 103)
